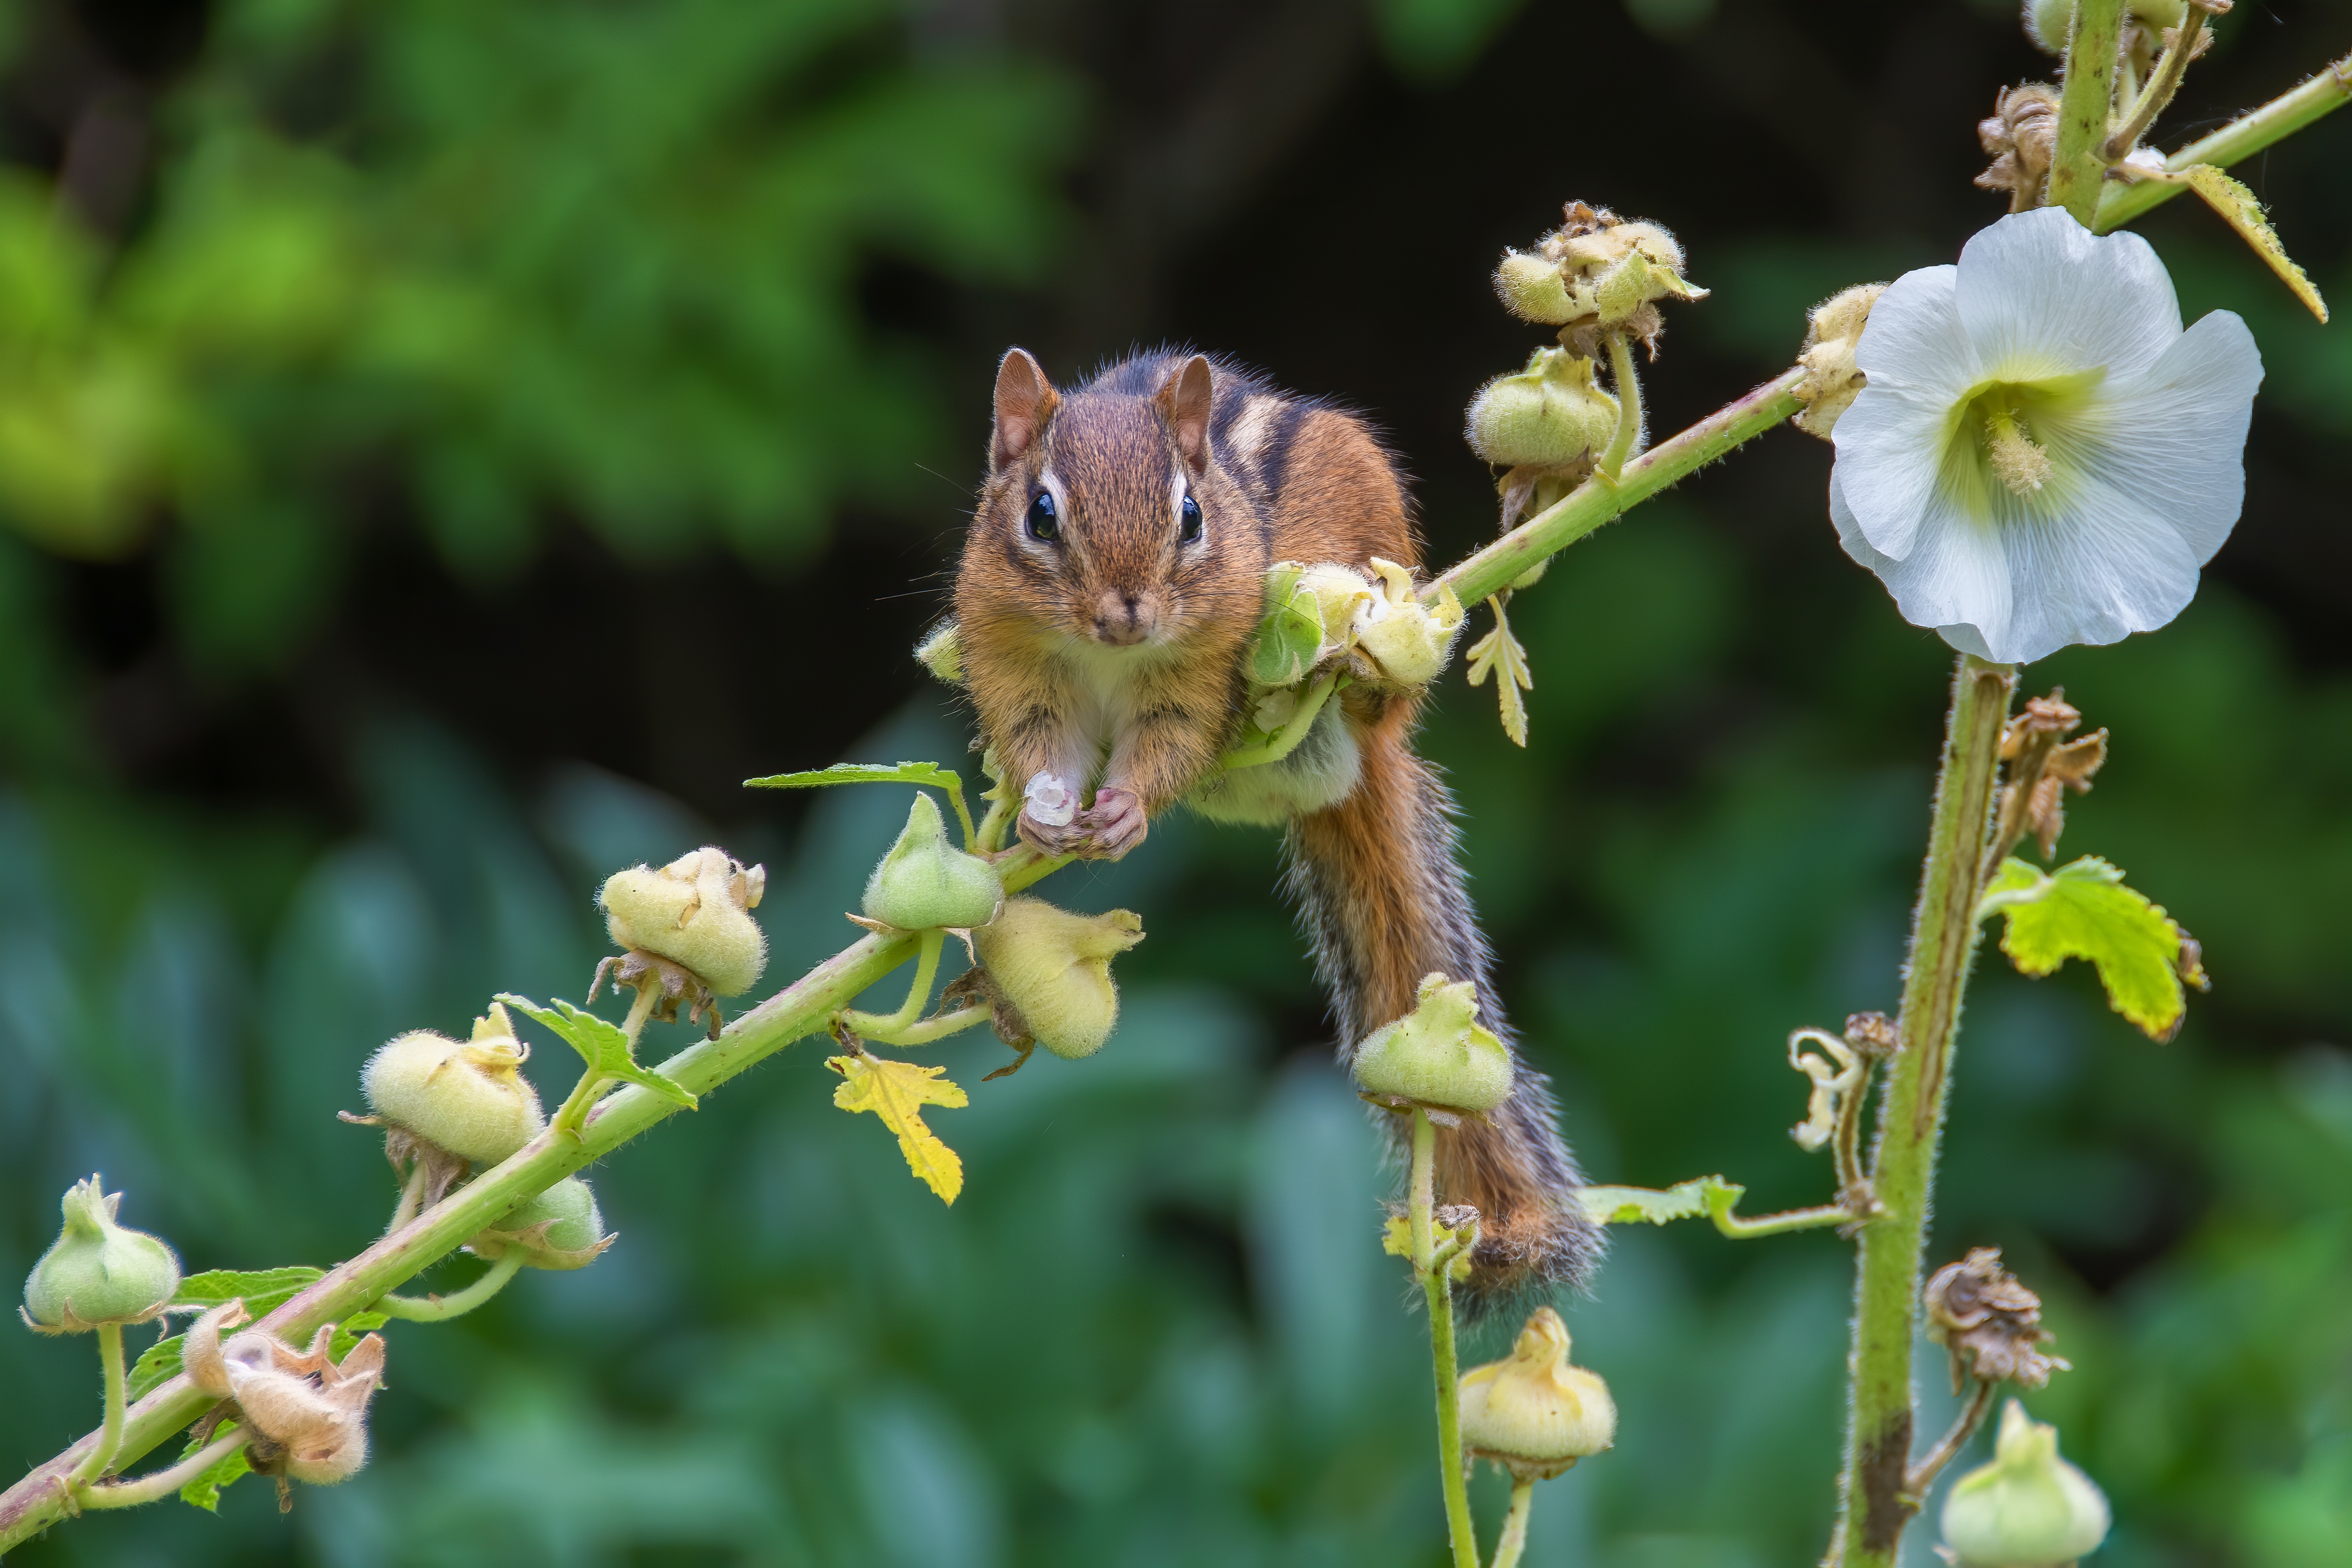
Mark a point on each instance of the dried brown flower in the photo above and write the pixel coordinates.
(2020, 136)
(1990, 1321)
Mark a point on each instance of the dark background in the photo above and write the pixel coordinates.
(448, 448)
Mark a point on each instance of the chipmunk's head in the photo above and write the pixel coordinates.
(1107, 506)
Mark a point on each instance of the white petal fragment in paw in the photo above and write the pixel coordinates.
(2041, 455)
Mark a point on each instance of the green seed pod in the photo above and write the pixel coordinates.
(2028, 1507)
(694, 911)
(1054, 967)
(1548, 414)
(1437, 1054)
(925, 881)
(942, 652)
(571, 1236)
(1531, 288)
(98, 1271)
(467, 1096)
(1533, 1413)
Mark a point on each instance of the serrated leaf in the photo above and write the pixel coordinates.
(2083, 911)
(2242, 211)
(205, 1491)
(1696, 1198)
(601, 1045)
(897, 1091)
(1498, 650)
(263, 1290)
(930, 773)
(157, 1366)
(348, 1331)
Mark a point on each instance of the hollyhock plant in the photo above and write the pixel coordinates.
(2041, 456)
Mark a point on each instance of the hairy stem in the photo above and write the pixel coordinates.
(411, 1196)
(2079, 167)
(2151, 101)
(37, 1501)
(574, 1111)
(1626, 382)
(881, 1026)
(161, 1484)
(1438, 1291)
(1494, 568)
(110, 1435)
(1948, 1447)
(440, 1309)
(1514, 1540)
(2240, 140)
(1877, 1502)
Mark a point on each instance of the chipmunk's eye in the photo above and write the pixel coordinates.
(1044, 521)
(1188, 521)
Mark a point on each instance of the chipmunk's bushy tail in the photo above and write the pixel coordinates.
(1379, 883)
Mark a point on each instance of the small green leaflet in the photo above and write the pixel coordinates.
(348, 1331)
(1499, 651)
(600, 1044)
(926, 773)
(1290, 636)
(263, 1290)
(2242, 211)
(205, 1491)
(1696, 1198)
(2084, 910)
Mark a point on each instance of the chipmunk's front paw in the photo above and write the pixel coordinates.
(1115, 824)
(1069, 837)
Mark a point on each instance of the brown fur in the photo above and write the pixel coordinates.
(1377, 876)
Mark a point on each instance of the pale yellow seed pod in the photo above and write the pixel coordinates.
(467, 1096)
(1531, 287)
(2028, 1507)
(1437, 1054)
(1833, 381)
(1409, 641)
(694, 911)
(1342, 597)
(1548, 415)
(1054, 967)
(1535, 1413)
(942, 652)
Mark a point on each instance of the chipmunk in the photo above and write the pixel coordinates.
(1109, 589)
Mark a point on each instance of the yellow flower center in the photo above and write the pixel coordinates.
(2017, 461)
(2014, 439)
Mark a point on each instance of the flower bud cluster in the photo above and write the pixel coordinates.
(1533, 1413)
(694, 913)
(308, 1412)
(1596, 272)
(98, 1272)
(925, 883)
(1407, 641)
(1438, 1055)
(1052, 967)
(469, 1097)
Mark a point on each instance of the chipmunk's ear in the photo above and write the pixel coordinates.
(1025, 402)
(1184, 403)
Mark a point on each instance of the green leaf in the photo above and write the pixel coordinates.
(925, 773)
(1499, 651)
(897, 1091)
(1289, 635)
(263, 1290)
(205, 1491)
(1693, 1199)
(601, 1045)
(1396, 1240)
(2084, 910)
(348, 1331)
(2242, 211)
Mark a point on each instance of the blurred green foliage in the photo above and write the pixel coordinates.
(602, 264)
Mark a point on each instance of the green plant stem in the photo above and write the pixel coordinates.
(1438, 1291)
(2148, 102)
(1947, 1448)
(2240, 140)
(441, 1309)
(110, 1435)
(1626, 382)
(411, 1196)
(574, 1111)
(1514, 1540)
(2079, 167)
(1292, 734)
(1876, 1502)
(918, 994)
(1494, 568)
(161, 1484)
(931, 1030)
(801, 1009)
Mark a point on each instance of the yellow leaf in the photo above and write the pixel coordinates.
(2242, 212)
(897, 1091)
(1499, 649)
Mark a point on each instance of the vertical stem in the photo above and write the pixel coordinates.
(573, 1114)
(1515, 1526)
(2078, 168)
(1437, 1289)
(1876, 1505)
(109, 1435)
(411, 1196)
(1626, 382)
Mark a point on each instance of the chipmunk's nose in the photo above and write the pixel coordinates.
(1124, 617)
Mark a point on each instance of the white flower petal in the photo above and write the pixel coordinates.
(1956, 578)
(1914, 338)
(2093, 571)
(1890, 446)
(2179, 431)
(2041, 295)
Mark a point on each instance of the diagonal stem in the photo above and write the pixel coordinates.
(1948, 1447)
(2235, 142)
(1514, 1540)
(2151, 100)
(457, 1304)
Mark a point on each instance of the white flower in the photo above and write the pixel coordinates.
(1050, 802)
(2042, 456)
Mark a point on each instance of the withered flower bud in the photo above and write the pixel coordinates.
(1831, 336)
(1990, 1321)
(2021, 136)
(308, 1413)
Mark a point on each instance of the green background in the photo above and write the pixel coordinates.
(443, 448)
